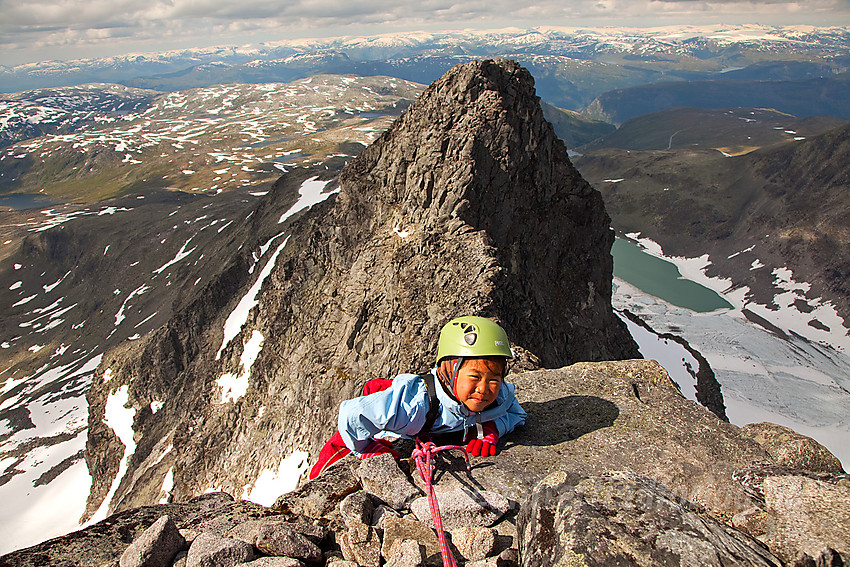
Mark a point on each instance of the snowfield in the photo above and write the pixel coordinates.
(791, 380)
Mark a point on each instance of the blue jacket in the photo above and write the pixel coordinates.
(402, 408)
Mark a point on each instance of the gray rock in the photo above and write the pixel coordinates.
(357, 507)
(826, 558)
(797, 514)
(459, 508)
(250, 530)
(509, 557)
(381, 477)
(474, 543)
(221, 522)
(361, 544)
(273, 562)
(624, 518)
(593, 418)
(156, 547)
(791, 449)
(209, 550)
(488, 562)
(380, 515)
(397, 530)
(279, 539)
(321, 496)
(246, 531)
(407, 553)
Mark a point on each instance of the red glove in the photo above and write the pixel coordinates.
(378, 447)
(486, 445)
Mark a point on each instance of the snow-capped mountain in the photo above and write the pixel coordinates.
(716, 48)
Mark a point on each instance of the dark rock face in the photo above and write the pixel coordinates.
(468, 204)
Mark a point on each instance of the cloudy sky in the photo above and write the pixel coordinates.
(35, 30)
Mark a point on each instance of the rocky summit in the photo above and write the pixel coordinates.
(466, 204)
(613, 467)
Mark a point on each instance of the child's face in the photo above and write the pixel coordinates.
(478, 382)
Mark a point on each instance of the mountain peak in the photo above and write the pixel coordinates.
(468, 204)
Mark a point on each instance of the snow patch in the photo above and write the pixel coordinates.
(182, 253)
(119, 317)
(119, 418)
(763, 376)
(234, 386)
(239, 316)
(167, 486)
(271, 484)
(310, 194)
(676, 360)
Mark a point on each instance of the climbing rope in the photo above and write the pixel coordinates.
(422, 455)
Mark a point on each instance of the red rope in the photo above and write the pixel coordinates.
(422, 455)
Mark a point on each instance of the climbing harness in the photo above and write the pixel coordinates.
(422, 454)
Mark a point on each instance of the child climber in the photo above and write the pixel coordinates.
(471, 396)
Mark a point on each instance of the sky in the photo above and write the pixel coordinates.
(39, 30)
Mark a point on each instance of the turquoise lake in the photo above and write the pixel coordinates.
(662, 279)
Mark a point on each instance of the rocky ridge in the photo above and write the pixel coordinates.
(635, 475)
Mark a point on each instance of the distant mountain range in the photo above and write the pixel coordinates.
(97, 141)
(571, 66)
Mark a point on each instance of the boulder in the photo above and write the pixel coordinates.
(593, 418)
(407, 553)
(625, 518)
(382, 477)
(208, 550)
(273, 562)
(278, 539)
(797, 514)
(380, 516)
(156, 547)
(251, 530)
(361, 544)
(791, 449)
(321, 496)
(474, 543)
(488, 562)
(399, 530)
(357, 507)
(462, 507)
(826, 558)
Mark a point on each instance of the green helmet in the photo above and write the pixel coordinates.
(472, 336)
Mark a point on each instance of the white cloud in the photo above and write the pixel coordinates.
(52, 24)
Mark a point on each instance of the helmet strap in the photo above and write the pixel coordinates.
(458, 362)
(447, 372)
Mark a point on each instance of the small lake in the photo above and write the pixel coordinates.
(23, 201)
(662, 279)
